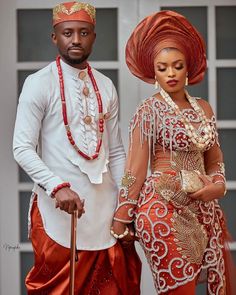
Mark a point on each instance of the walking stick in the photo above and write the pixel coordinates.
(74, 217)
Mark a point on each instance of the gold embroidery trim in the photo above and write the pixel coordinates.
(192, 160)
(74, 8)
(168, 187)
(186, 225)
(221, 167)
(127, 180)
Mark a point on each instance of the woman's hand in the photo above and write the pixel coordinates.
(119, 228)
(210, 191)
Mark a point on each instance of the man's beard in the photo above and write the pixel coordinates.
(74, 61)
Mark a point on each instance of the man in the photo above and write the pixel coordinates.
(73, 109)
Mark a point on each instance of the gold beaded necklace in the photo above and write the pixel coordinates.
(200, 140)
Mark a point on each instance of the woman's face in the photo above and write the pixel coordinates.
(170, 69)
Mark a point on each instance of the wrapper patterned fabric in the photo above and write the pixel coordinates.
(184, 239)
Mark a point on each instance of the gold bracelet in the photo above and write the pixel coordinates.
(120, 236)
(123, 220)
(221, 182)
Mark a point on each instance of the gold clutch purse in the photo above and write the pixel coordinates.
(190, 181)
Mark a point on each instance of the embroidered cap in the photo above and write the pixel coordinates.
(74, 11)
(161, 30)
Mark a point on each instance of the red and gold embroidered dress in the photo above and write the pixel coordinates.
(181, 237)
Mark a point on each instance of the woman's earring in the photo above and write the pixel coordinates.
(186, 81)
(157, 85)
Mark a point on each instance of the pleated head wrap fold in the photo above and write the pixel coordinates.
(165, 29)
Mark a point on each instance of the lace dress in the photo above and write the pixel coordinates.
(181, 237)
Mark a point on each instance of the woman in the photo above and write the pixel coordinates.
(177, 217)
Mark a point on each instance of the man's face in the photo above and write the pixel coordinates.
(74, 40)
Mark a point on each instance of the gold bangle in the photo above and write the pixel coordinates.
(120, 236)
(221, 182)
(123, 220)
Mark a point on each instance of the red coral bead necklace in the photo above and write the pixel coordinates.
(65, 118)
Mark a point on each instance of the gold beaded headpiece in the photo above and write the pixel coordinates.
(74, 11)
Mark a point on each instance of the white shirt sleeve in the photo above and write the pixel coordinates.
(30, 113)
(116, 148)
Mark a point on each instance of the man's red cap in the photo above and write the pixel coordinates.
(74, 11)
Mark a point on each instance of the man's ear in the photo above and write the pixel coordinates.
(95, 35)
(54, 38)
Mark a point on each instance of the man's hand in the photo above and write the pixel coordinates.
(69, 201)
